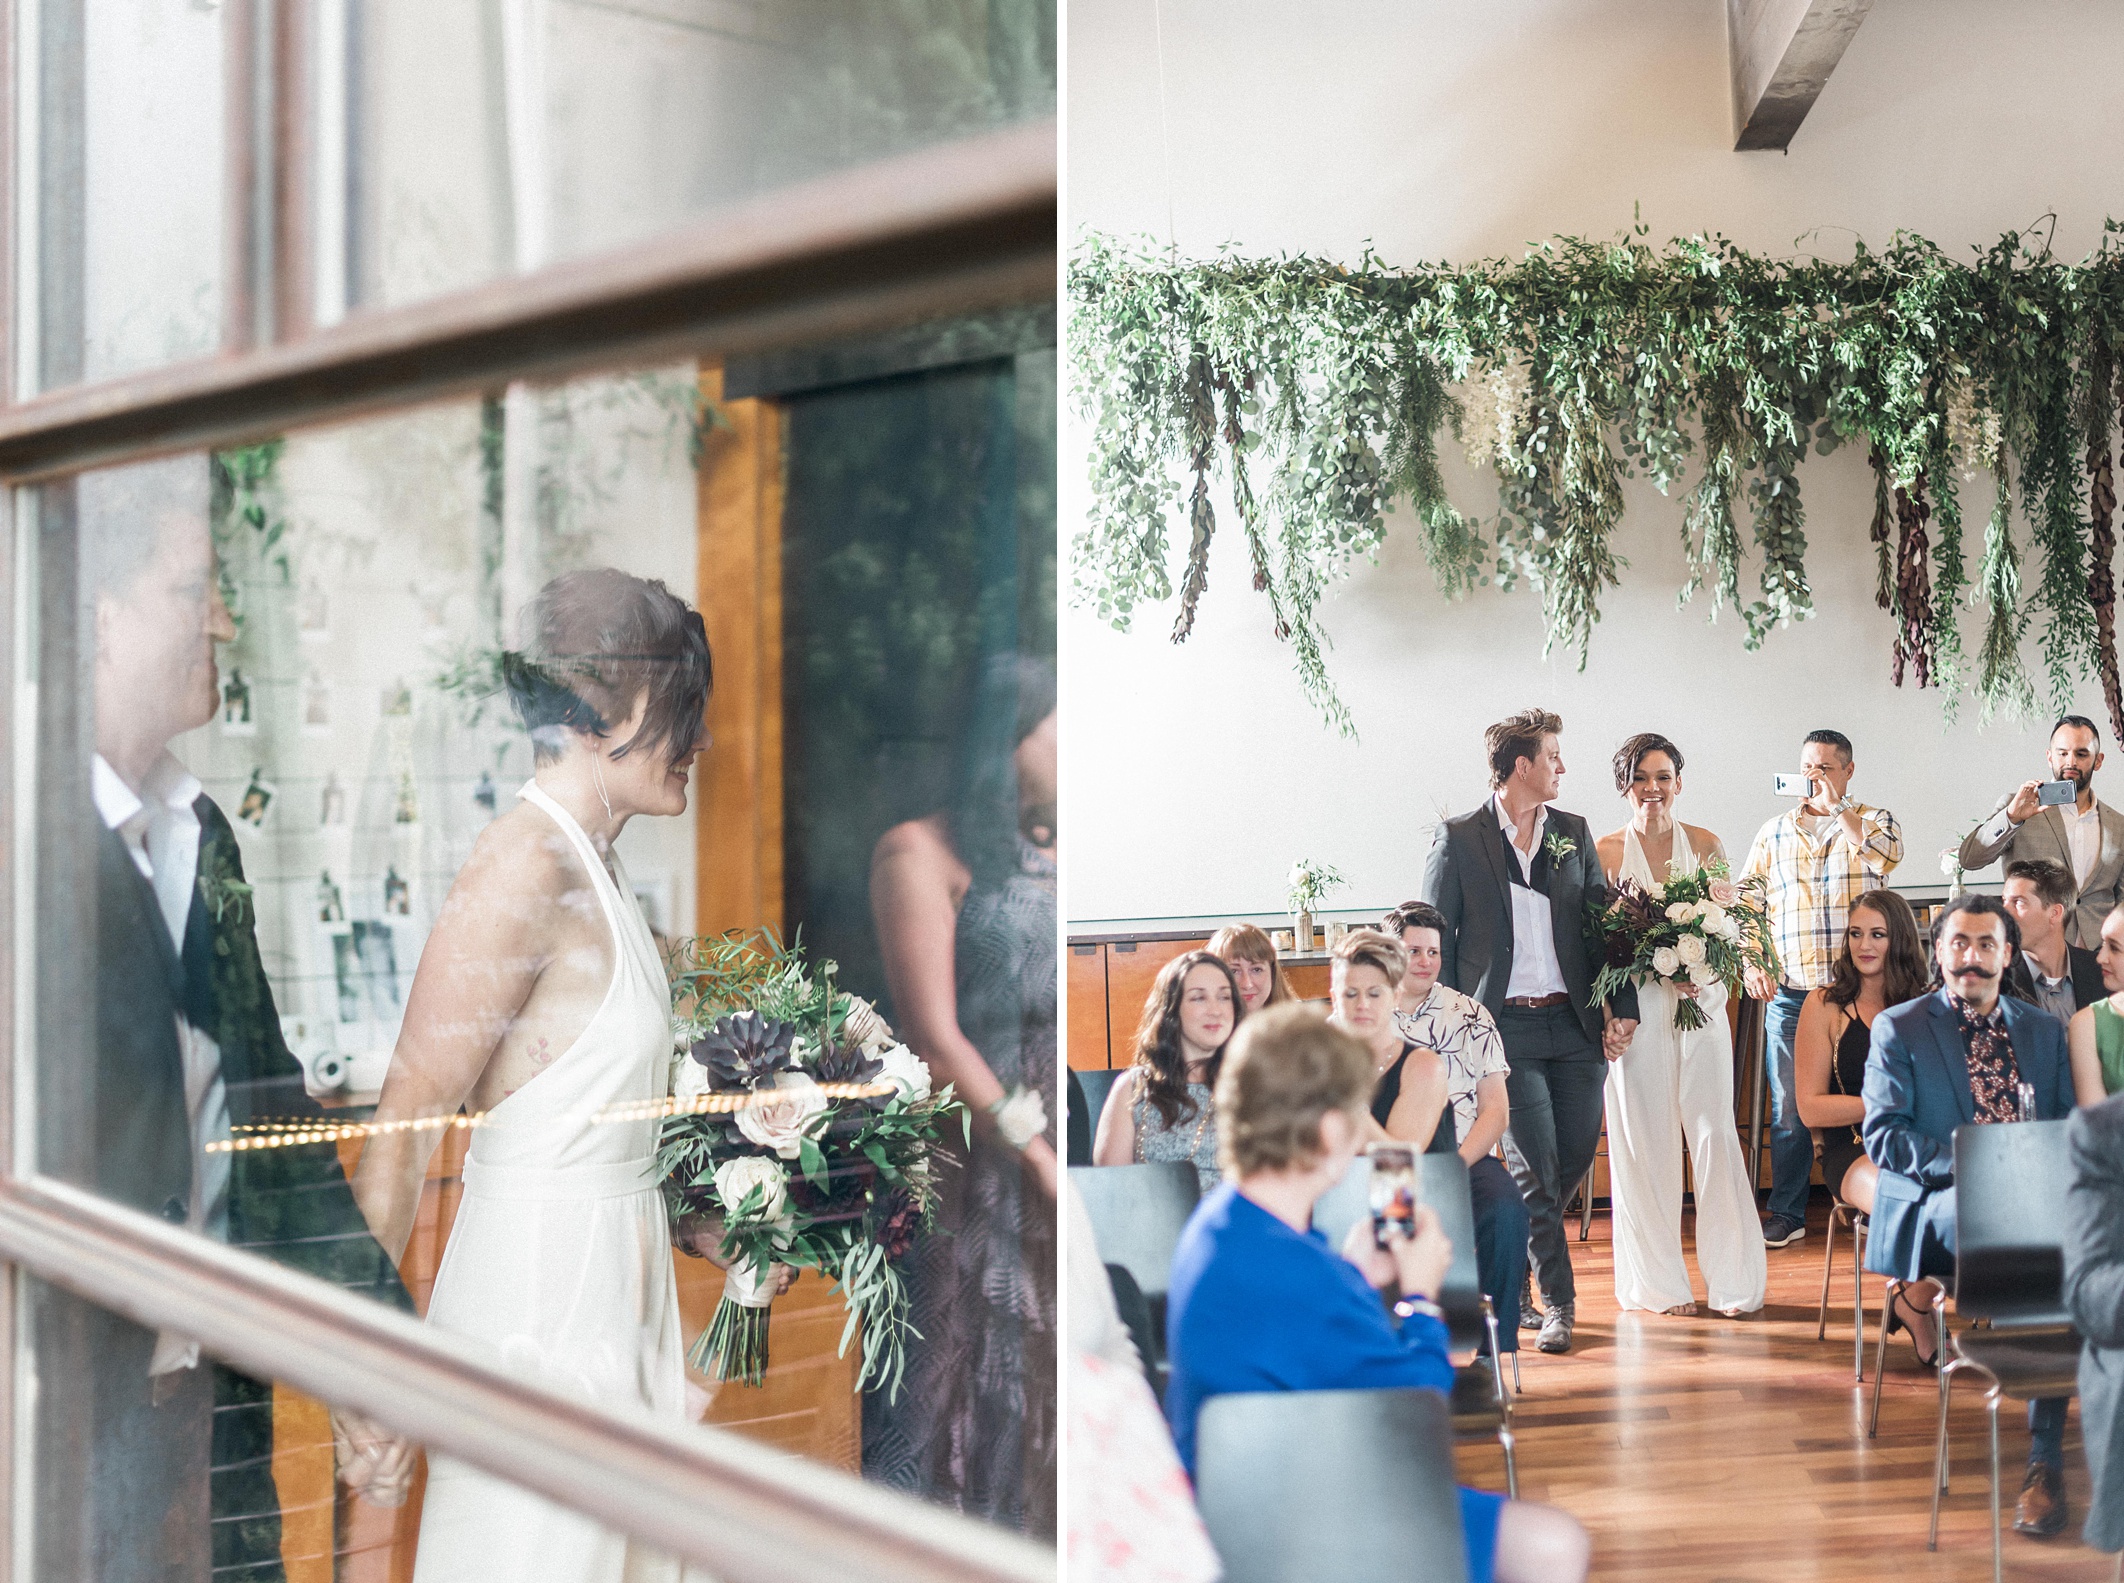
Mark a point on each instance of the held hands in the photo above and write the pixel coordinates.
(1616, 1037)
(374, 1464)
(2024, 806)
(703, 1239)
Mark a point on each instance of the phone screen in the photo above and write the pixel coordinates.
(1394, 1191)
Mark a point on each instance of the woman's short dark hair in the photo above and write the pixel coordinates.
(1632, 753)
(1414, 915)
(1158, 1052)
(594, 643)
(1517, 737)
(1907, 972)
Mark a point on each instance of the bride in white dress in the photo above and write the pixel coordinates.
(1671, 1085)
(540, 1001)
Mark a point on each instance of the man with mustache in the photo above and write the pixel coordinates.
(2085, 835)
(1949, 1059)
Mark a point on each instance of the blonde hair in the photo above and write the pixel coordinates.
(1284, 1071)
(1242, 942)
(1372, 948)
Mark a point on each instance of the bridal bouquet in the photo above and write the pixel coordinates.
(1699, 929)
(802, 1127)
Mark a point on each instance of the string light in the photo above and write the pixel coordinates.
(295, 1133)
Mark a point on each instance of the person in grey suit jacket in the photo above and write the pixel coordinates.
(2085, 835)
(2094, 1296)
(1516, 881)
(1953, 1058)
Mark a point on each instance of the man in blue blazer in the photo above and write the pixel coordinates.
(1956, 1058)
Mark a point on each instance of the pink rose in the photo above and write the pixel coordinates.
(783, 1122)
(1724, 892)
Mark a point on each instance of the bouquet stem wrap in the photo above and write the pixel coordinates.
(734, 1346)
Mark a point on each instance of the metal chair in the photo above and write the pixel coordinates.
(1295, 1486)
(1880, 1356)
(2009, 1271)
(1481, 1405)
(1841, 1213)
(1137, 1214)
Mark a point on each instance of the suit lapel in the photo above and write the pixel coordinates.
(1490, 836)
(1947, 1037)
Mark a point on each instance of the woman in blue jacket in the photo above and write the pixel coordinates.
(1260, 1302)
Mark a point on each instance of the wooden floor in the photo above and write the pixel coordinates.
(1711, 1450)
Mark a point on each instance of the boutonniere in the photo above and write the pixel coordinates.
(1559, 846)
(228, 900)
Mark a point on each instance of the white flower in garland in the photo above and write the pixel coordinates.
(1494, 403)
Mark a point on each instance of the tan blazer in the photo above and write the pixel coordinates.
(2043, 836)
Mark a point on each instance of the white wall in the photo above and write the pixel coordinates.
(1195, 774)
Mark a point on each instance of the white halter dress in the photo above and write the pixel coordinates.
(1666, 1087)
(560, 1260)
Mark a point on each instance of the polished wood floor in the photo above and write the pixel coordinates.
(1716, 1450)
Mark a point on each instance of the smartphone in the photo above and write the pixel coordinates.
(2055, 794)
(1394, 1191)
(1795, 786)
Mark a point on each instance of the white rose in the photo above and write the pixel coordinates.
(1702, 976)
(1730, 927)
(1665, 962)
(1714, 919)
(1690, 949)
(866, 1027)
(1951, 863)
(749, 1173)
(690, 1081)
(1679, 912)
(905, 1071)
(782, 1122)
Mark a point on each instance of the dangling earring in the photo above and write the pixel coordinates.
(597, 772)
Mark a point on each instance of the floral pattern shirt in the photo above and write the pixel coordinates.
(1813, 874)
(1994, 1074)
(1460, 1029)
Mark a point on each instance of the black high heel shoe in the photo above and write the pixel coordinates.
(1894, 1321)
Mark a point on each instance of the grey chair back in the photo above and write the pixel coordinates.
(2010, 1184)
(1097, 1083)
(1444, 1179)
(1330, 1487)
(1137, 1213)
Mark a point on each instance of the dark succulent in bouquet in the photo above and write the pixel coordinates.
(745, 1050)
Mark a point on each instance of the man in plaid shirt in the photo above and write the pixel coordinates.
(1815, 861)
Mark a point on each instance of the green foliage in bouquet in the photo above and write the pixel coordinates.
(789, 1172)
(1700, 928)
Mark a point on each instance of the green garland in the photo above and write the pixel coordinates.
(1320, 393)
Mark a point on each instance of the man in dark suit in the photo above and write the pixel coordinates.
(2048, 971)
(2094, 1296)
(175, 1477)
(1516, 881)
(1959, 1056)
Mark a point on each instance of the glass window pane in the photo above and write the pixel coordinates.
(176, 1474)
(364, 1006)
(122, 244)
(486, 140)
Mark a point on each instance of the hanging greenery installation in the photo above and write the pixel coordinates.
(1319, 394)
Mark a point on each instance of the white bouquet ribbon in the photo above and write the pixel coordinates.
(747, 1287)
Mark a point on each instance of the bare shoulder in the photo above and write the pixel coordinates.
(1704, 843)
(1609, 848)
(918, 849)
(520, 858)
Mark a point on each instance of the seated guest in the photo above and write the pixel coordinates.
(1435, 1016)
(1956, 1057)
(2094, 1296)
(1251, 955)
(2096, 1037)
(1882, 964)
(2048, 970)
(1159, 1108)
(1259, 1302)
(1409, 1083)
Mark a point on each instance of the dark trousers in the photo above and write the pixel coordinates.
(1500, 1241)
(1556, 1086)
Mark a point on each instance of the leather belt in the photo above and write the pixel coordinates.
(1537, 1002)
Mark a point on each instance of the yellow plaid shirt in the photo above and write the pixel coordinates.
(1812, 880)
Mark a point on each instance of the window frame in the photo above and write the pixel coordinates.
(957, 227)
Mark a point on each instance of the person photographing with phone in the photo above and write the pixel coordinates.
(1814, 861)
(1260, 1302)
(2060, 820)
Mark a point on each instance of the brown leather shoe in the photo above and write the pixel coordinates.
(2041, 1512)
